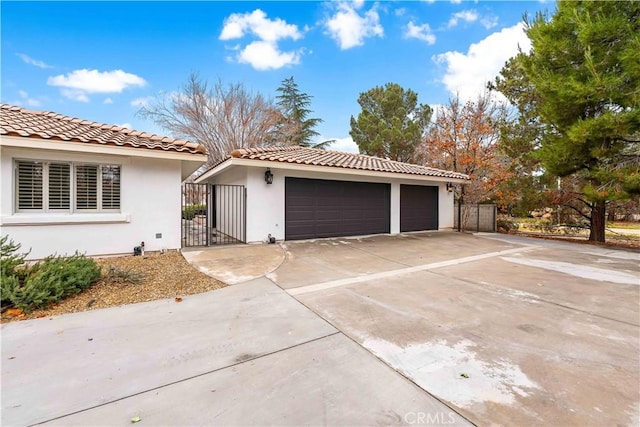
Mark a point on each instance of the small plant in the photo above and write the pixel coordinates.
(50, 280)
(122, 275)
(190, 212)
(12, 270)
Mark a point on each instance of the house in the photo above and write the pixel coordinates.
(292, 193)
(73, 185)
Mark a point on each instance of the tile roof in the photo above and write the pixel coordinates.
(16, 121)
(317, 157)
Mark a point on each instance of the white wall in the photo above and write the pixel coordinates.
(265, 203)
(445, 207)
(150, 204)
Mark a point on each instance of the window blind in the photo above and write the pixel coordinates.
(59, 185)
(29, 183)
(110, 187)
(86, 187)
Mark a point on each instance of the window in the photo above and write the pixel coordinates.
(86, 187)
(52, 186)
(110, 187)
(29, 179)
(59, 186)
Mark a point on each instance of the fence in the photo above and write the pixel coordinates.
(213, 214)
(476, 217)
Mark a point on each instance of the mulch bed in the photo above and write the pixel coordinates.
(164, 275)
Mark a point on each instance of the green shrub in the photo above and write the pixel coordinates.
(51, 280)
(10, 273)
(9, 258)
(189, 212)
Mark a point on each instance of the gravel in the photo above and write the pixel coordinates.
(163, 275)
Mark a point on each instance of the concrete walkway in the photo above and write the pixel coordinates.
(243, 355)
(236, 264)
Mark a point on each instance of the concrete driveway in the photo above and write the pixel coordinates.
(421, 329)
(504, 330)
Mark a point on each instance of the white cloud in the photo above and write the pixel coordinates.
(141, 102)
(468, 73)
(237, 25)
(78, 83)
(342, 144)
(107, 101)
(400, 11)
(489, 22)
(74, 95)
(29, 60)
(349, 28)
(264, 53)
(125, 125)
(94, 81)
(455, 1)
(421, 32)
(26, 100)
(464, 15)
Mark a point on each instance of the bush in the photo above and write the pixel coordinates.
(49, 281)
(189, 212)
(10, 273)
(506, 225)
(123, 275)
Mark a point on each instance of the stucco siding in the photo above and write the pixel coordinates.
(266, 203)
(150, 205)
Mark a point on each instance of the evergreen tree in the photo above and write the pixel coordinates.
(579, 91)
(391, 123)
(295, 126)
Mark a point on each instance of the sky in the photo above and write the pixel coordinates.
(102, 61)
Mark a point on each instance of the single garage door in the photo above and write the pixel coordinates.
(324, 208)
(418, 208)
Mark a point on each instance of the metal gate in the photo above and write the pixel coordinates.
(213, 214)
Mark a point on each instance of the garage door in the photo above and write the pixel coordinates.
(323, 208)
(418, 208)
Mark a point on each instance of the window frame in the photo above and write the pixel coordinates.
(73, 196)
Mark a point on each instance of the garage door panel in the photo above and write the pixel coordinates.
(324, 208)
(418, 208)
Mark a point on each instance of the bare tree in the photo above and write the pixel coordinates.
(221, 117)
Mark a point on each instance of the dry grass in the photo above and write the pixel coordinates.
(621, 242)
(163, 275)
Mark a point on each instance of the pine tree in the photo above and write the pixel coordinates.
(295, 126)
(579, 88)
(391, 123)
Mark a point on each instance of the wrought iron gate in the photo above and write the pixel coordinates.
(213, 214)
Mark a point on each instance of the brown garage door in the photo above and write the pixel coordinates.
(418, 208)
(323, 208)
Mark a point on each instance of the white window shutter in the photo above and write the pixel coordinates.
(59, 186)
(29, 185)
(86, 187)
(110, 187)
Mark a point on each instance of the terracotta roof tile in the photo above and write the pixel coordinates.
(317, 157)
(16, 121)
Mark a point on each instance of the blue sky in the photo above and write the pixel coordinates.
(101, 61)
